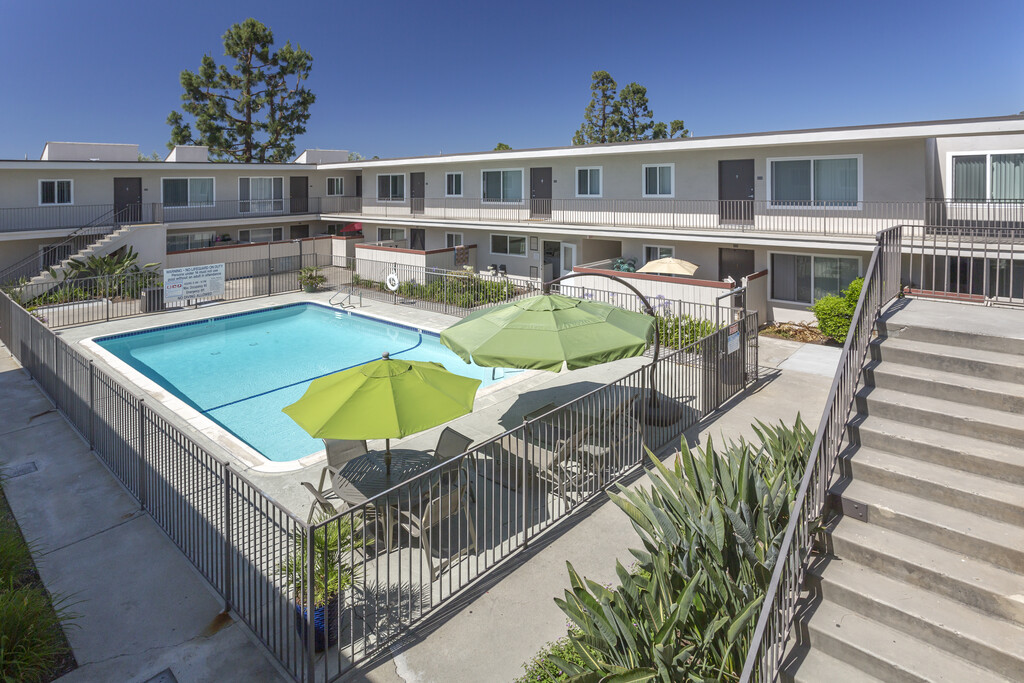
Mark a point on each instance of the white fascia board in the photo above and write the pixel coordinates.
(162, 166)
(927, 130)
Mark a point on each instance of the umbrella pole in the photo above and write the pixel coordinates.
(387, 456)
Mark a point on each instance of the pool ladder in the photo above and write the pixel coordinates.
(346, 299)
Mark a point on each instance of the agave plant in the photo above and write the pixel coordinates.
(710, 528)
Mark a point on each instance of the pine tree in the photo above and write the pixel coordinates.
(633, 119)
(252, 112)
(598, 116)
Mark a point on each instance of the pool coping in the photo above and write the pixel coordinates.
(231, 443)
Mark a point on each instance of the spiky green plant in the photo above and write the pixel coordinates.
(710, 528)
(332, 571)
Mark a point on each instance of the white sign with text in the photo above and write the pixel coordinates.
(193, 282)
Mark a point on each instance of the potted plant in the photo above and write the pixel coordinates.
(332, 575)
(311, 279)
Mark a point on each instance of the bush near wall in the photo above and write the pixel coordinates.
(463, 291)
(835, 313)
(710, 528)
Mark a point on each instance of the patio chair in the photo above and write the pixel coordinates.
(439, 506)
(451, 444)
(339, 452)
(587, 453)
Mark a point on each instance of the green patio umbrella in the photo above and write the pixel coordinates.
(545, 331)
(385, 399)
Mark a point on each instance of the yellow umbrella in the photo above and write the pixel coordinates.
(669, 266)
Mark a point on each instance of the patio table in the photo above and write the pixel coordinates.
(362, 478)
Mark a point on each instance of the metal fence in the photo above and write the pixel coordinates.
(774, 625)
(980, 264)
(412, 548)
(76, 301)
(233, 534)
(477, 509)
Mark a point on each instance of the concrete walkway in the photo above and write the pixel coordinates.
(142, 609)
(489, 633)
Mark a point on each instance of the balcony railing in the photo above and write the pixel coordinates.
(804, 218)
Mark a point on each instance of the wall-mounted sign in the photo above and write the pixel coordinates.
(193, 282)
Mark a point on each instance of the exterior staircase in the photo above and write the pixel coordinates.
(921, 575)
(101, 247)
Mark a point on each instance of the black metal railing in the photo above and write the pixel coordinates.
(775, 622)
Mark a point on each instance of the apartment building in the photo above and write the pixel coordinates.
(794, 212)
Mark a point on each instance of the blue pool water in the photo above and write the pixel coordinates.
(241, 370)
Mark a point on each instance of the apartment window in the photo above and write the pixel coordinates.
(805, 278)
(335, 187)
(177, 192)
(453, 239)
(55, 192)
(653, 253)
(260, 194)
(658, 180)
(503, 186)
(988, 177)
(190, 240)
(512, 245)
(261, 235)
(390, 187)
(824, 181)
(390, 234)
(588, 182)
(453, 184)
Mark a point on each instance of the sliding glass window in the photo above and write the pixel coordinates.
(805, 278)
(988, 177)
(503, 185)
(815, 182)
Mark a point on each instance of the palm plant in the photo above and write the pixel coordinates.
(710, 527)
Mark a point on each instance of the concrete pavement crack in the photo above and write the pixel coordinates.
(138, 514)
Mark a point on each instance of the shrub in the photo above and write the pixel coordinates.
(710, 528)
(678, 332)
(834, 313)
(541, 669)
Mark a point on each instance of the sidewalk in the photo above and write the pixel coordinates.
(142, 607)
(488, 634)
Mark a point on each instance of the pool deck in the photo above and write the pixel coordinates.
(498, 408)
(144, 609)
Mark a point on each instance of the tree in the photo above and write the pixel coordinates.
(252, 112)
(355, 156)
(501, 146)
(155, 156)
(633, 119)
(625, 118)
(599, 114)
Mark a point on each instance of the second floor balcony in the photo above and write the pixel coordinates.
(851, 219)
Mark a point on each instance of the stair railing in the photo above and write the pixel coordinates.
(774, 624)
(52, 254)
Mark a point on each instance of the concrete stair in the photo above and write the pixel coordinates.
(100, 247)
(920, 574)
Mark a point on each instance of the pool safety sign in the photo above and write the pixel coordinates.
(193, 282)
(733, 343)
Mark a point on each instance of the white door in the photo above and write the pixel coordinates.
(568, 257)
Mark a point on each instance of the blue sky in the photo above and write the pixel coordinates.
(397, 78)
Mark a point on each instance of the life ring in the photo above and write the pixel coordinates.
(392, 282)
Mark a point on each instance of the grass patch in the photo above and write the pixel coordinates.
(33, 647)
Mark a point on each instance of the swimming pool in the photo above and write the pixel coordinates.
(240, 370)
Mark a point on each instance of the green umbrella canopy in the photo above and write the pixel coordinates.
(542, 332)
(385, 399)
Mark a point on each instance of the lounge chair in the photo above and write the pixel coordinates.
(575, 448)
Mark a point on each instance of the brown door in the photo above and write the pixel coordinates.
(540, 192)
(128, 200)
(736, 191)
(298, 190)
(417, 191)
(735, 263)
(299, 232)
(417, 238)
(359, 186)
